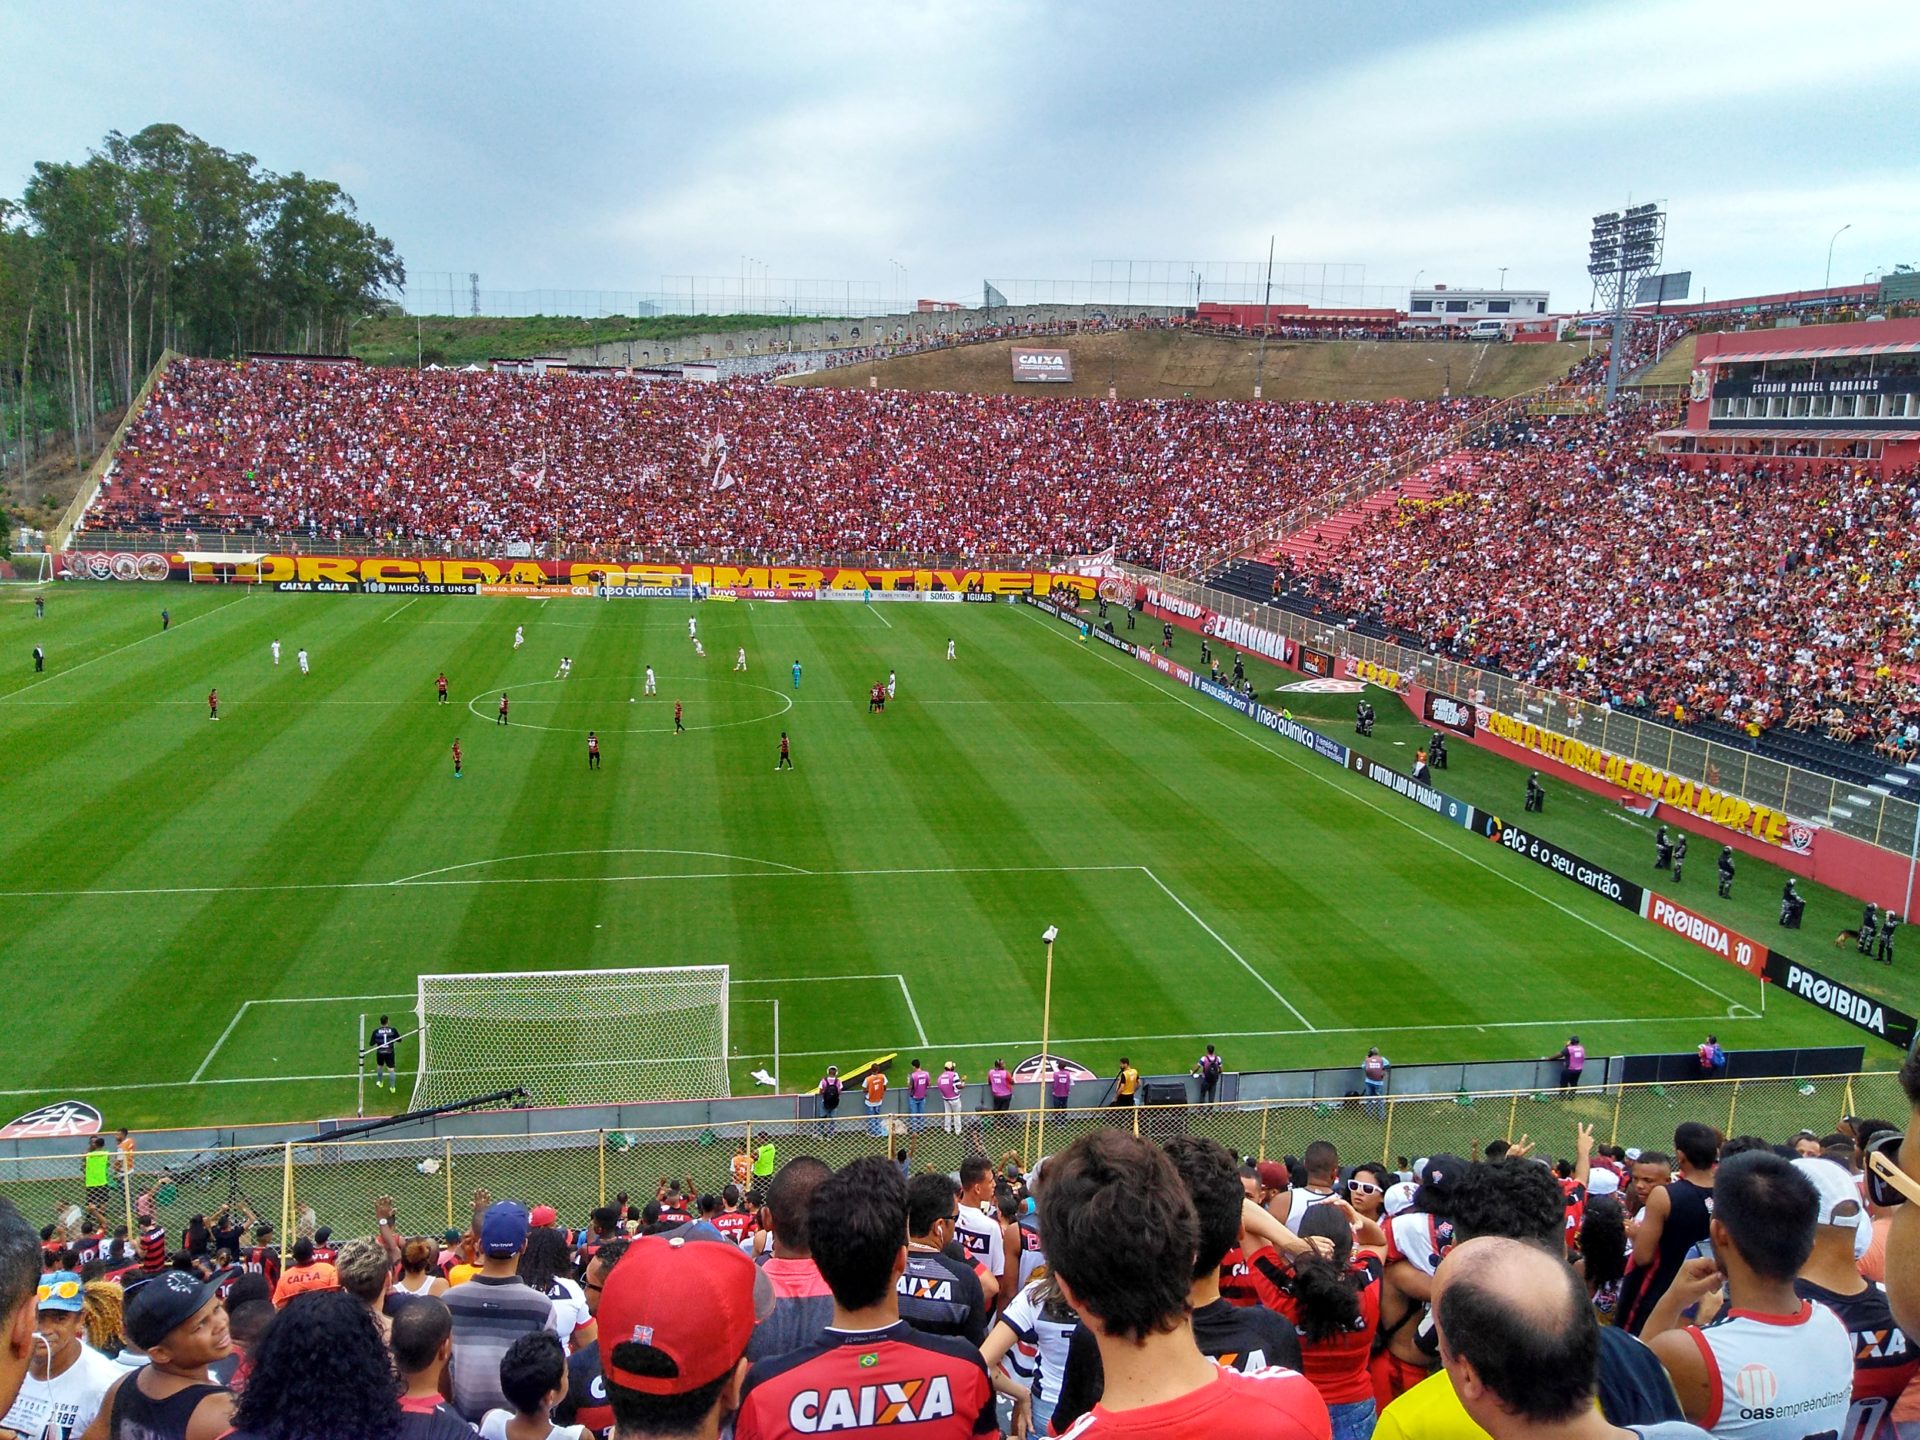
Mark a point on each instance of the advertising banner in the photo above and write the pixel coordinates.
(1114, 640)
(1703, 800)
(1374, 674)
(1225, 694)
(1619, 890)
(1173, 603)
(1729, 945)
(1165, 666)
(1896, 1027)
(1030, 364)
(1315, 662)
(352, 570)
(1408, 788)
(541, 592)
(974, 598)
(1449, 711)
(1242, 636)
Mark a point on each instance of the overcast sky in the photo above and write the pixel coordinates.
(918, 148)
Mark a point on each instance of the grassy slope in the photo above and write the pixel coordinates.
(1167, 365)
(1672, 368)
(468, 340)
(275, 836)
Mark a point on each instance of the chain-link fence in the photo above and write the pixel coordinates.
(435, 1182)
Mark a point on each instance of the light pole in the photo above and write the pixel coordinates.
(1830, 244)
(1503, 277)
(1049, 935)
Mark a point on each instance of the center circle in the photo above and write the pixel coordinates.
(594, 699)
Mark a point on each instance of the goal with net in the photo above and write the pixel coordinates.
(574, 1037)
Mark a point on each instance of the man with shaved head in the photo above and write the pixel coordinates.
(1521, 1346)
(1519, 1202)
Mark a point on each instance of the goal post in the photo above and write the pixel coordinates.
(574, 1037)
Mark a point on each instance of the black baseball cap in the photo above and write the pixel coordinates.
(162, 1305)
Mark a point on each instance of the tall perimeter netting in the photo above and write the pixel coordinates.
(574, 1037)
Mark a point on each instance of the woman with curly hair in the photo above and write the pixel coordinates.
(103, 1305)
(1333, 1297)
(1603, 1253)
(320, 1373)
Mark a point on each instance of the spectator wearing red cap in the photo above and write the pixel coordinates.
(675, 1318)
(871, 1370)
(1122, 1235)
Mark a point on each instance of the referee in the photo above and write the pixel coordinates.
(382, 1043)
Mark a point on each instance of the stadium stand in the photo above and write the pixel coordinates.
(610, 1292)
(459, 460)
(1762, 597)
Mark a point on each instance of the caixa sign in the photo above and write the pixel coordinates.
(1451, 711)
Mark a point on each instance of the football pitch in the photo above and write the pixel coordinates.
(195, 914)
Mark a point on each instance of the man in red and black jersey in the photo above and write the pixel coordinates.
(734, 1221)
(871, 1370)
(1884, 1358)
(1122, 1236)
(263, 1256)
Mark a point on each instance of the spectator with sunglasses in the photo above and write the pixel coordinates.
(66, 1379)
(1366, 1190)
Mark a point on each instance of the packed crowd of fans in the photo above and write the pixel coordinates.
(465, 462)
(1758, 593)
(1117, 1288)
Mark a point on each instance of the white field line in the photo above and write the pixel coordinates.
(121, 649)
(232, 1025)
(1291, 1007)
(247, 1005)
(912, 1010)
(875, 612)
(1251, 737)
(396, 613)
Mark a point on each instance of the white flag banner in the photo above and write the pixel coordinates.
(715, 455)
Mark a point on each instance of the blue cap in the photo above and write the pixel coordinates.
(61, 1291)
(503, 1229)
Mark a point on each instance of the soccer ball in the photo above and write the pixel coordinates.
(629, 699)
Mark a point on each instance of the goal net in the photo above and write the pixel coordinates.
(574, 1037)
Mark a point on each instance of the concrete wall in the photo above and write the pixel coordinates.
(846, 334)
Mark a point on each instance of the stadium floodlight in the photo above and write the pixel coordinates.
(1624, 249)
(1049, 935)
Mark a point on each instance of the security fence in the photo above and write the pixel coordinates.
(435, 1182)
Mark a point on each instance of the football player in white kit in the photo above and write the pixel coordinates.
(740, 659)
(949, 649)
(692, 629)
(519, 636)
(890, 684)
(276, 652)
(651, 689)
(302, 658)
(566, 669)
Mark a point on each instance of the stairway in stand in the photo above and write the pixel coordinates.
(1448, 473)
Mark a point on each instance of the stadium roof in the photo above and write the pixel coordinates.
(1811, 352)
(1794, 434)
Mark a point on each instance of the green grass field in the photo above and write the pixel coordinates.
(193, 915)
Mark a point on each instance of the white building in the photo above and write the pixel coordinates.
(1443, 306)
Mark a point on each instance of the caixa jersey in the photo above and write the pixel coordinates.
(865, 1383)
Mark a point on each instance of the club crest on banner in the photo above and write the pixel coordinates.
(63, 1117)
(1039, 1067)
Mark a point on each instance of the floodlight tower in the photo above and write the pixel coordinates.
(1625, 246)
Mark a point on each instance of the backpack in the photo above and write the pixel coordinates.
(1719, 1057)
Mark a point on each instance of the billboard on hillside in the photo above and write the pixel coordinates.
(1030, 364)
